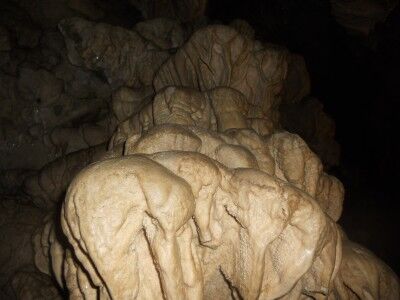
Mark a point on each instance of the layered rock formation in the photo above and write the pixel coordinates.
(176, 177)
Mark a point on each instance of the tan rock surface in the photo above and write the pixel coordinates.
(365, 276)
(317, 128)
(48, 186)
(199, 193)
(247, 232)
(245, 223)
(163, 32)
(218, 56)
(122, 55)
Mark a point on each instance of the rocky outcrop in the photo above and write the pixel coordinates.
(181, 165)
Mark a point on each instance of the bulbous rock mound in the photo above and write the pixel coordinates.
(195, 200)
(200, 193)
(204, 204)
(218, 56)
(189, 213)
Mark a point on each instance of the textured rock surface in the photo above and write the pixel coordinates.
(18, 222)
(252, 233)
(61, 108)
(63, 96)
(238, 210)
(358, 261)
(318, 129)
(159, 163)
(124, 57)
(33, 285)
(219, 56)
(162, 32)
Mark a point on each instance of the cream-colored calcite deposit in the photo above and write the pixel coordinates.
(191, 213)
(182, 182)
(181, 225)
(211, 199)
(202, 195)
(218, 56)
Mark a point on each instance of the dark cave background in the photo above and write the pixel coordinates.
(357, 79)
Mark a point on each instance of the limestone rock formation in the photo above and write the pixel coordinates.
(162, 32)
(358, 261)
(167, 165)
(63, 102)
(218, 56)
(230, 204)
(48, 94)
(124, 57)
(32, 285)
(18, 222)
(196, 207)
(297, 84)
(48, 186)
(318, 129)
(243, 28)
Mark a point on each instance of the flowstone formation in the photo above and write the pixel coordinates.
(194, 190)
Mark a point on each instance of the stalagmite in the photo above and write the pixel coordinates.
(173, 164)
